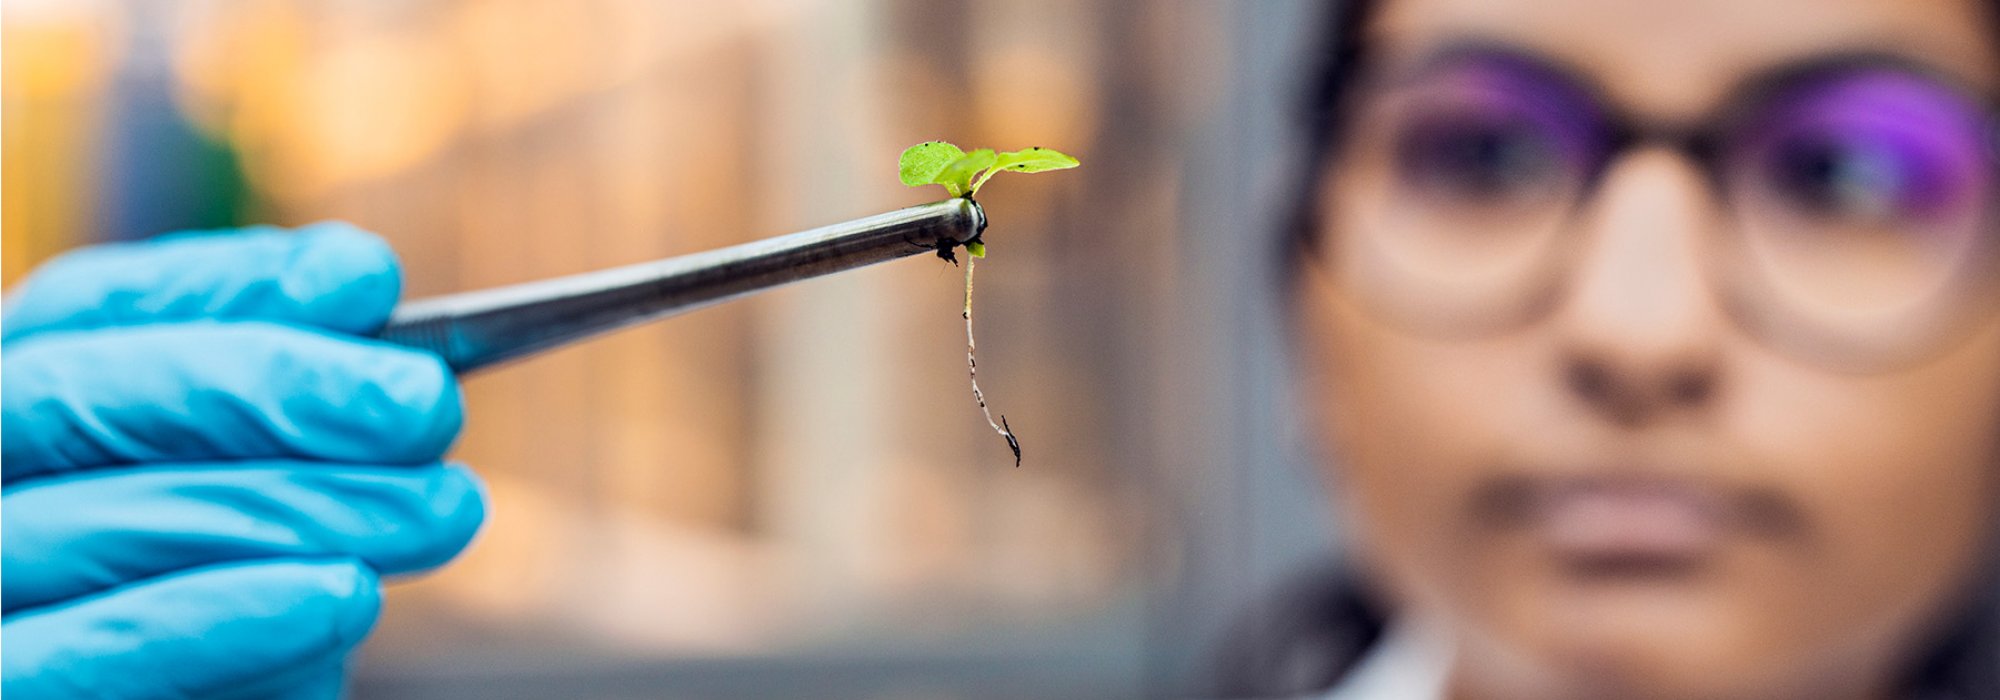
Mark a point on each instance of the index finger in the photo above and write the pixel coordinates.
(328, 275)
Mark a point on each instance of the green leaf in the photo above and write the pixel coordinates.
(1027, 160)
(962, 173)
(1034, 160)
(921, 163)
(957, 177)
(977, 249)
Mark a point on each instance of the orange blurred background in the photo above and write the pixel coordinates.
(792, 494)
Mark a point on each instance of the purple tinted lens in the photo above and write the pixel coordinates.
(1871, 146)
(1487, 128)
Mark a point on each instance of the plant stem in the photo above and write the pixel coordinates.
(981, 180)
(972, 370)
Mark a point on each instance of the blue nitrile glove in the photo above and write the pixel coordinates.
(206, 470)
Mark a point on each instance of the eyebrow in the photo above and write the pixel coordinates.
(1453, 50)
(1860, 58)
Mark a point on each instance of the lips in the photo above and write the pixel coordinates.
(1631, 524)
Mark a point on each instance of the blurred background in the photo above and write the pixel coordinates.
(791, 495)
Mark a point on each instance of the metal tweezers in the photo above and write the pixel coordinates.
(472, 330)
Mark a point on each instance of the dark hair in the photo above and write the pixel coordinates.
(1322, 122)
(1314, 630)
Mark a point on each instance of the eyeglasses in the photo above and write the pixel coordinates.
(1861, 194)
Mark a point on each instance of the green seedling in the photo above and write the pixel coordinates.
(962, 174)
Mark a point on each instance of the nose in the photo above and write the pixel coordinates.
(1638, 331)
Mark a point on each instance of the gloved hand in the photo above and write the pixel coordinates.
(205, 470)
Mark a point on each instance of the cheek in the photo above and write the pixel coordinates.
(1896, 471)
(1411, 429)
(1403, 423)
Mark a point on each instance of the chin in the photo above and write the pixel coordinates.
(1681, 637)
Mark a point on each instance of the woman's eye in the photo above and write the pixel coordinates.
(1832, 178)
(1865, 179)
(1478, 161)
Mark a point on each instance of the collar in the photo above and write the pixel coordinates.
(1412, 662)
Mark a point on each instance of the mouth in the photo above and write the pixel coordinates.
(1630, 525)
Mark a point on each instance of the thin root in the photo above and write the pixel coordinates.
(972, 370)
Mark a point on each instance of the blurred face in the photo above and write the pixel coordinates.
(1658, 338)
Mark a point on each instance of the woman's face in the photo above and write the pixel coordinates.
(1647, 478)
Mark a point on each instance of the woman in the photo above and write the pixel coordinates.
(1660, 350)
